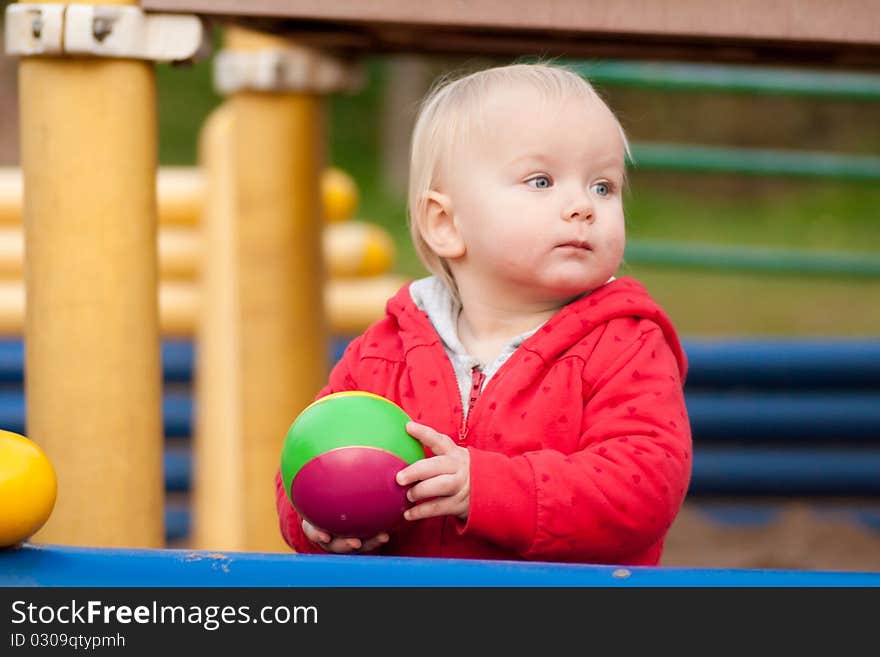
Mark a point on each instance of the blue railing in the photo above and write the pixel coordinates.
(52, 565)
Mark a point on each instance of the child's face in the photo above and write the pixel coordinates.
(536, 196)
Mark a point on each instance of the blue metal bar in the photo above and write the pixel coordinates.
(178, 358)
(52, 565)
(767, 415)
(178, 468)
(798, 363)
(773, 471)
(761, 362)
(177, 521)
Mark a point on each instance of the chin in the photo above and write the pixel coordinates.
(576, 282)
(572, 290)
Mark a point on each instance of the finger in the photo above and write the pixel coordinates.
(341, 545)
(430, 509)
(431, 438)
(439, 486)
(376, 541)
(425, 469)
(314, 534)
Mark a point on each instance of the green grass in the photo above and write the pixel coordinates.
(810, 215)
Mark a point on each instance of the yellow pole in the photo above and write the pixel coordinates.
(279, 339)
(284, 347)
(88, 150)
(217, 495)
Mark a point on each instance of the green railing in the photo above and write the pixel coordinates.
(755, 162)
(732, 79)
(685, 255)
(745, 161)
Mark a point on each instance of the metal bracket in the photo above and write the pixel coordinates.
(104, 31)
(293, 69)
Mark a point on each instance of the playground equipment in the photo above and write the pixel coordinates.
(51, 565)
(358, 254)
(339, 461)
(843, 36)
(352, 248)
(83, 336)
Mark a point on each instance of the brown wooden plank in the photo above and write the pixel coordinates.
(844, 21)
(814, 32)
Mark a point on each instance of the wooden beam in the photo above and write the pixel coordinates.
(845, 33)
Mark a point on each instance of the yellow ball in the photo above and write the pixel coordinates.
(357, 249)
(27, 488)
(339, 195)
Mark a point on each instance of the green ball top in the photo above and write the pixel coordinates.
(347, 419)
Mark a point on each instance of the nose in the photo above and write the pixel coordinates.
(579, 209)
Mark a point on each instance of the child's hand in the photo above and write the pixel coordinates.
(340, 545)
(444, 479)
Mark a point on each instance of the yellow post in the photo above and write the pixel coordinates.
(217, 496)
(88, 151)
(279, 350)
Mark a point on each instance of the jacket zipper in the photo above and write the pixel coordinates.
(477, 378)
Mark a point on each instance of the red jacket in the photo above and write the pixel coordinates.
(580, 445)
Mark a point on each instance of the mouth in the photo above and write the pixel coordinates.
(576, 244)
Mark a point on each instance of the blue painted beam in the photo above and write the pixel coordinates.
(178, 358)
(52, 565)
(790, 472)
(178, 469)
(177, 521)
(837, 416)
(771, 416)
(766, 417)
(800, 363)
(795, 363)
(722, 471)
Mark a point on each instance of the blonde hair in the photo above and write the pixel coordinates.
(449, 111)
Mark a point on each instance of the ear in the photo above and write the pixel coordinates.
(438, 227)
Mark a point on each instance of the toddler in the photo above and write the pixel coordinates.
(547, 392)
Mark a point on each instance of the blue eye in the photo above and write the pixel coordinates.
(602, 189)
(539, 182)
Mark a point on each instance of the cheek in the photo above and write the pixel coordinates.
(617, 241)
(615, 233)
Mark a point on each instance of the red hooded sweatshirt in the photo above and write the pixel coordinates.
(580, 445)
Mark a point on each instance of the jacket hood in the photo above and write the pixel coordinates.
(623, 297)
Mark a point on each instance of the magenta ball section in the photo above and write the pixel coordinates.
(364, 498)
